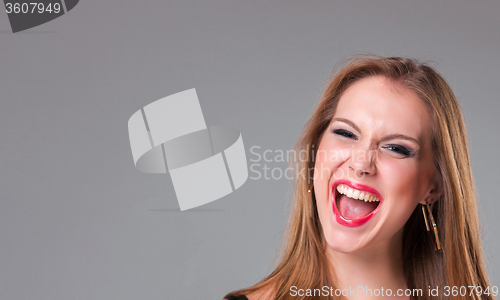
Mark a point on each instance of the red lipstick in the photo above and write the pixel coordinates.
(358, 221)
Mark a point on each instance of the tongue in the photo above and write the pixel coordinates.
(354, 209)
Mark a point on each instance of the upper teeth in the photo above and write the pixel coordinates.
(356, 194)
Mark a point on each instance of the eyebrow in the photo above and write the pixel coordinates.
(385, 138)
(348, 122)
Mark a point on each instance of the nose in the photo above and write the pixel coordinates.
(363, 161)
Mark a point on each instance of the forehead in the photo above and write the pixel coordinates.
(380, 104)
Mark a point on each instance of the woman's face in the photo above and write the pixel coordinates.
(373, 165)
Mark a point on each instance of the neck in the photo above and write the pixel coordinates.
(380, 266)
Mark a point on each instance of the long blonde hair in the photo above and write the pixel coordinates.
(303, 262)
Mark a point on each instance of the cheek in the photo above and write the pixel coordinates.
(328, 160)
(405, 183)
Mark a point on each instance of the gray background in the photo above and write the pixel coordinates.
(78, 221)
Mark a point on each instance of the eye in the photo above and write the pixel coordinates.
(345, 133)
(400, 150)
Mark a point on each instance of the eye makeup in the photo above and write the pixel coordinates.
(395, 148)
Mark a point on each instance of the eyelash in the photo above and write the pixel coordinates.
(392, 147)
(402, 150)
(345, 133)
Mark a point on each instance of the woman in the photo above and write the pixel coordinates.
(388, 206)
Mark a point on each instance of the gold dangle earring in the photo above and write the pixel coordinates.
(437, 246)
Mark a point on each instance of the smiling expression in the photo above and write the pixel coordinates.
(378, 145)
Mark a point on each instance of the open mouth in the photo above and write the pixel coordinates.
(354, 204)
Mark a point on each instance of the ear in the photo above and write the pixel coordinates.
(432, 195)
